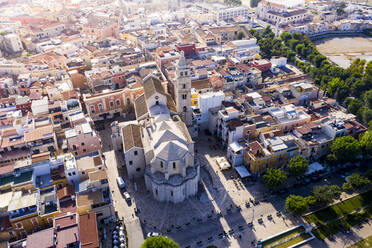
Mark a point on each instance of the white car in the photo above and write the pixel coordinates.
(127, 197)
(152, 234)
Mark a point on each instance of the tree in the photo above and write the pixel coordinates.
(323, 195)
(354, 105)
(159, 242)
(300, 48)
(293, 43)
(368, 70)
(291, 56)
(358, 88)
(357, 181)
(368, 98)
(298, 166)
(346, 149)
(331, 159)
(240, 35)
(334, 85)
(274, 178)
(347, 187)
(366, 142)
(296, 204)
(285, 36)
(318, 59)
(298, 36)
(366, 115)
(267, 32)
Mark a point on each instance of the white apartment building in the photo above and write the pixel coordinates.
(207, 101)
(9, 67)
(12, 43)
(230, 13)
(282, 12)
(222, 13)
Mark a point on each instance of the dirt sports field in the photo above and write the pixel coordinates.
(342, 50)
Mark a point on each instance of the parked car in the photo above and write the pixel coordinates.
(152, 234)
(120, 182)
(127, 197)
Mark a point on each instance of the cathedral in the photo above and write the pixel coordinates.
(158, 144)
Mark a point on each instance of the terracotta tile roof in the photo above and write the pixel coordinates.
(38, 133)
(43, 238)
(348, 125)
(201, 84)
(66, 191)
(89, 198)
(97, 175)
(40, 157)
(131, 137)
(11, 141)
(255, 146)
(67, 236)
(231, 110)
(65, 220)
(202, 62)
(6, 169)
(35, 95)
(140, 106)
(88, 230)
(151, 86)
(223, 29)
(303, 129)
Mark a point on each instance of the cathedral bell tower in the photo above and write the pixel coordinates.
(182, 89)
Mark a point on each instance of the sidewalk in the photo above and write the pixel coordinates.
(343, 240)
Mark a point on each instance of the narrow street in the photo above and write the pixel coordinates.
(132, 223)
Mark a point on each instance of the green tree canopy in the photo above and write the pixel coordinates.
(325, 194)
(366, 114)
(159, 242)
(354, 105)
(346, 149)
(368, 98)
(296, 204)
(331, 159)
(338, 89)
(368, 70)
(240, 35)
(285, 36)
(366, 142)
(298, 166)
(357, 181)
(274, 178)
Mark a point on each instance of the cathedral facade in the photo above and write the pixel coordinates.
(158, 145)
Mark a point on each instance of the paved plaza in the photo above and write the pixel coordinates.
(217, 215)
(218, 208)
